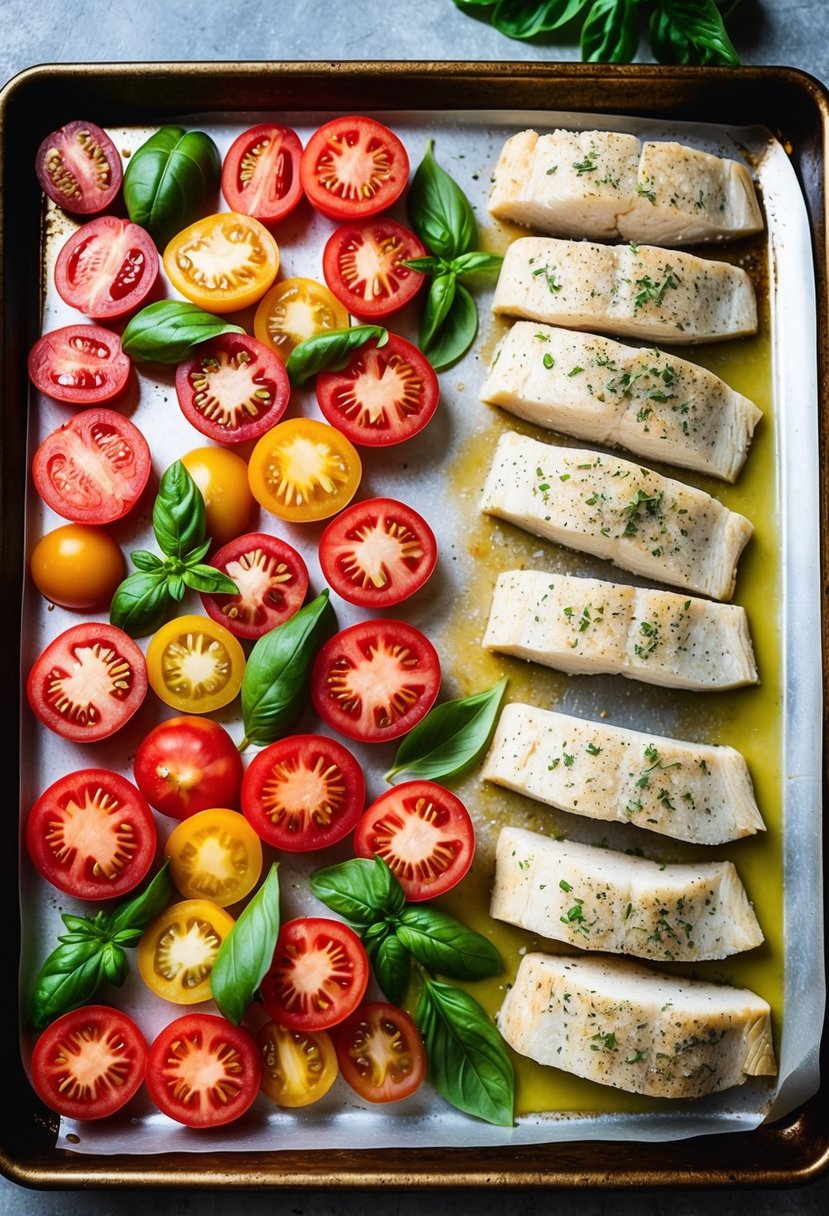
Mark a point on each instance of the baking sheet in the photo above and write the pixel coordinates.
(419, 471)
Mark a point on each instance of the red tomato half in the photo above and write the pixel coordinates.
(353, 167)
(92, 835)
(107, 268)
(188, 764)
(303, 792)
(423, 833)
(363, 265)
(88, 682)
(79, 168)
(272, 579)
(384, 395)
(377, 553)
(234, 388)
(203, 1072)
(380, 1053)
(260, 174)
(79, 364)
(375, 680)
(318, 976)
(89, 1063)
(94, 468)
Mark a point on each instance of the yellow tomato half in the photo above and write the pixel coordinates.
(295, 310)
(177, 951)
(298, 1066)
(223, 262)
(78, 567)
(194, 664)
(304, 470)
(222, 478)
(216, 855)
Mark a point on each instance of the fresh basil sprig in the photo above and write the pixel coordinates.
(444, 945)
(450, 738)
(170, 179)
(142, 601)
(168, 331)
(278, 671)
(330, 351)
(247, 951)
(92, 951)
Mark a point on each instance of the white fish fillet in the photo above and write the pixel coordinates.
(607, 186)
(644, 292)
(626, 1025)
(589, 626)
(689, 791)
(601, 899)
(627, 514)
(655, 404)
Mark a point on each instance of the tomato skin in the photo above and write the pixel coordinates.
(195, 642)
(112, 1055)
(203, 1072)
(377, 553)
(216, 855)
(233, 389)
(298, 1066)
(380, 1053)
(303, 792)
(78, 567)
(177, 950)
(78, 166)
(294, 310)
(362, 263)
(384, 395)
(424, 834)
(92, 469)
(319, 974)
(81, 365)
(93, 653)
(353, 167)
(375, 680)
(223, 262)
(304, 470)
(188, 764)
(272, 579)
(92, 835)
(222, 478)
(107, 268)
(260, 173)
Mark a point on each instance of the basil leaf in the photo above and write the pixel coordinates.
(610, 33)
(114, 964)
(427, 265)
(247, 952)
(468, 1062)
(170, 179)
(194, 556)
(278, 671)
(81, 927)
(456, 334)
(439, 300)
(690, 31)
(176, 586)
(202, 577)
(69, 978)
(518, 19)
(477, 263)
(179, 517)
(142, 559)
(443, 944)
(440, 212)
(168, 330)
(140, 604)
(360, 890)
(137, 912)
(330, 351)
(451, 737)
(392, 966)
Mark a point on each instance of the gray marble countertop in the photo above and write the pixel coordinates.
(781, 32)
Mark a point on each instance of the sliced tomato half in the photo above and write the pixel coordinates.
(363, 264)
(375, 680)
(380, 1053)
(79, 364)
(384, 395)
(89, 1063)
(260, 174)
(78, 166)
(272, 579)
(318, 976)
(377, 553)
(88, 682)
(92, 834)
(203, 1072)
(233, 389)
(300, 1066)
(107, 268)
(353, 167)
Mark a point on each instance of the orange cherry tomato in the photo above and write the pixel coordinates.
(304, 470)
(177, 951)
(194, 664)
(222, 477)
(215, 854)
(295, 310)
(298, 1066)
(223, 262)
(77, 566)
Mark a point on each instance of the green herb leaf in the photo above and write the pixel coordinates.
(610, 33)
(170, 179)
(247, 952)
(450, 738)
(456, 334)
(278, 671)
(168, 330)
(477, 263)
(330, 351)
(522, 19)
(135, 914)
(428, 265)
(690, 31)
(179, 517)
(362, 891)
(208, 579)
(68, 979)
(140, 604)
(439, 300)
(392, 966)
(443, 944)
(440, 212)
(151, 563)
(468, 1062)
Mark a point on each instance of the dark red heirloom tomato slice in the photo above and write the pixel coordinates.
(318, 976)
(88, 682)
(272, 579)
(94, 468)
(424, 834)
(79, 364)
(260, 174)
(107, 268)
(234, 388)
(375, 680)
(203, 1072)
(91, 834)
(79, 168)
(362, 263)
(384, 395)
(353, 167)
(89, 1063)
(380, 1052)
(303, 792)
(377, 553)
(188, 764)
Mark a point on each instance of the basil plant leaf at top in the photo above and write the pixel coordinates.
(451, 737)
(330, 351)
(360, 890)
(179, 517)
(170, 180)
(443, 944)
(690, 31)
(168, 330)
(456, 333)
(440, 212)
(247, 951)
(610, 33)
(525, 18)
